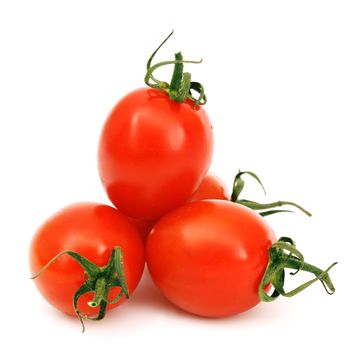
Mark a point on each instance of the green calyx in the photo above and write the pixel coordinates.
(98, 280)
(264, 209)
(181, 86)
(284, 255)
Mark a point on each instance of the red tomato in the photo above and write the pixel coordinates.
(153, 153)
(208, 257)
(92, 230)
(212, 187)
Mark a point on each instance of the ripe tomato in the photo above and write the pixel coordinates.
(209, 257)
(153, 153)
(91, 230)
(212, 187)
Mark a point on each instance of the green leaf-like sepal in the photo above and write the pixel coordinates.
(284, 255)
(181, 85)
(98, 280)
(263, 208)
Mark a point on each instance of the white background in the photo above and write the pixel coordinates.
(277, 76)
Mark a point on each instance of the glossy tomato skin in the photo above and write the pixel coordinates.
(212, 187)
(92, 230)
(153, 153)
(208, 257)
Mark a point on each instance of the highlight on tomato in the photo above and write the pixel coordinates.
(217, 258)
(156, 145)
(86, 259)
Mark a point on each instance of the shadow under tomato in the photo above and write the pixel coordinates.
(147, 296)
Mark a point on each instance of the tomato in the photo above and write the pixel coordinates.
(212, 187)
(208, 257)
(91, 230)
(153, 153)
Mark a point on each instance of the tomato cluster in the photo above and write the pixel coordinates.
(208, 251)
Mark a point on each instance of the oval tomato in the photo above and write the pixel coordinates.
(209, 257)
(153, 153)
(91, 230)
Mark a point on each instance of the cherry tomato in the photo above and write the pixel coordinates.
(153, 153)
(208, 257)
(212, 187)
(91, 230)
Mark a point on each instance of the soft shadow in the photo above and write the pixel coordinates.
(147, 296)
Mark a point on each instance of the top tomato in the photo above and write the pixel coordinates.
(153, 152)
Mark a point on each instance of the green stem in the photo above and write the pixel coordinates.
(149, 62)
(322, 275)
(100, 292)
(98, 280)
(292, 259)
(180, 82)
(176, 79)
(181, 85)
(238, 186)
(162, 85)
(263, 206)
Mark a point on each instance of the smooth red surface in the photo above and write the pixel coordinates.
(208, 257)
(212, 187)
(92, 230)
(153, 153)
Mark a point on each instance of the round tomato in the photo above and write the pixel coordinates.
(153, 153)
(93, 231)
(209, 257)
(212, 187)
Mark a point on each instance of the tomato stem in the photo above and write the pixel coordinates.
(100, 292)
(284, 255)
(238, 186)
(98, 280)
(175, 83)
(260, 206)
(181, 86)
